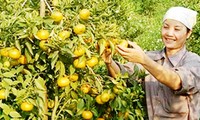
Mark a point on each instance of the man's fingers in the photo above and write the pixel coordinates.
(132, 44)
(121, 50)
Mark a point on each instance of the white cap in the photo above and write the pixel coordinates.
(184, 15)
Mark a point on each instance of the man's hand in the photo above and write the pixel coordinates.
(133, 54)
(107, 56)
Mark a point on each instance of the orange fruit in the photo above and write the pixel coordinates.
(42, 34)
(88, 40)
(43, 46)
(73, 77)
(85, 88)
(79, 51)
(51, 103)
(79, 63)
(87, 115)
(84, 14)
(14, 53)
(98, 99)
(64, 34)
(105, 97)
(26, 106)
(22, 60)
(79, 29)
(4, 52)
(2, 94)
(92, 61)
(117, 89)
(63, 81)
(57, 16)
(100, 119)
(124, 43)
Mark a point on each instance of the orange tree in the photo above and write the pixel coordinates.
(50, 60)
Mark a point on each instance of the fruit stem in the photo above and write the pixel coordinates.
(55, 108)
(47, 4)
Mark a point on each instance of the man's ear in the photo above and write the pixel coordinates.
(189, 33)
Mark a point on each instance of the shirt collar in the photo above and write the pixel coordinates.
(174, 59)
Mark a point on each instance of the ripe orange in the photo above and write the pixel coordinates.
(79, 63)
(79, 29)
(2, 94)
(26, 106)
(117, 89)
(92, 61)
(98, 99)
(14, 53)
(79, 51)
(43, 46)
(64, 34)
(88, 40)
(87, 115)
(105, 97)
(85, 88)
(63, 81)
(126, 114)
(51, 103)
(57, 16)
(84, 14)
(42, 34)
(22, 60)
(73, 77)
(4, 52)
(124, 43)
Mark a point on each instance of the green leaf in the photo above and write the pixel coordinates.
(74, 95)
(19, 93)
(14, 114)
(70, 112)
(37, 55)
(40, 84)
(88, 53)
(6, 82)
(9, 74)
(17, 44)
(28, 55)
(101, 46)
(54, 59)
(71, 69)
(6, 109)
(112, 46)
(29, 46)
(60, 67)
(41, 67)
(74, 85)
(80, 104)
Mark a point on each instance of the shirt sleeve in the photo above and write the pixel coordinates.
(190, 77)
(126, 68)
